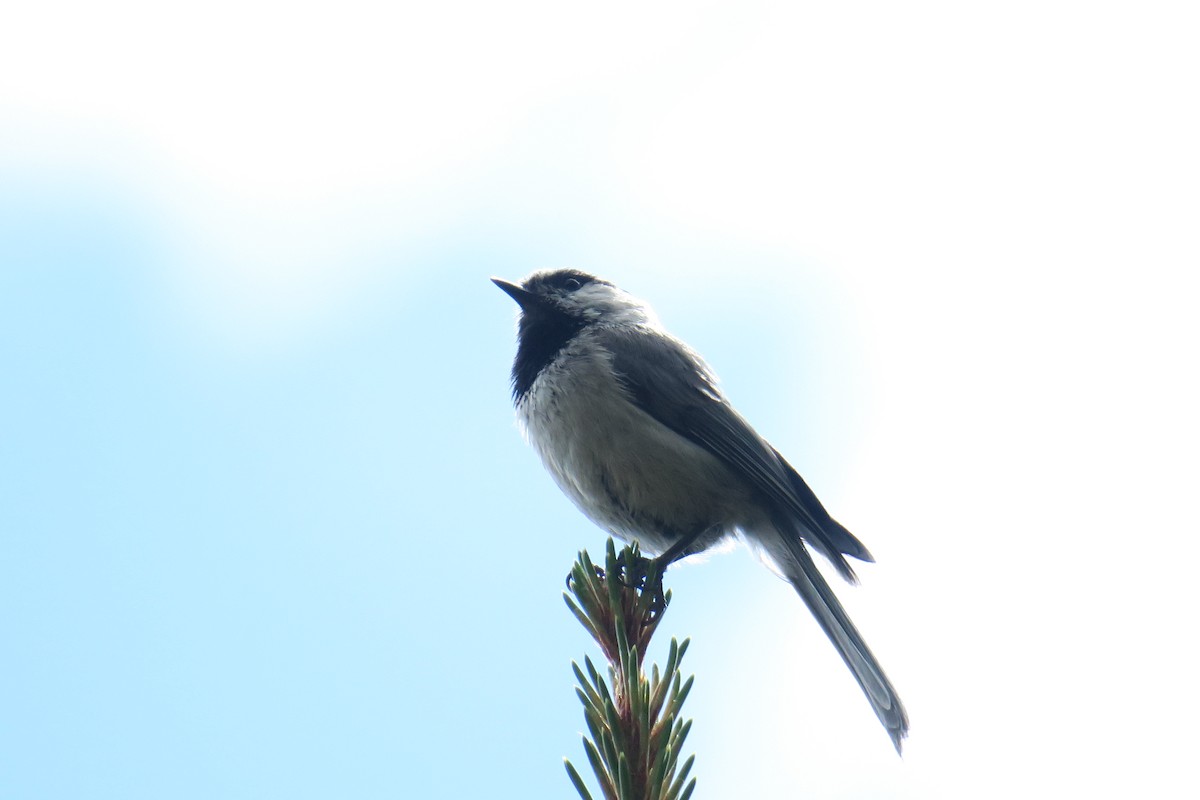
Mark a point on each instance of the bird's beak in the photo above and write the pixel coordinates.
(524, 299)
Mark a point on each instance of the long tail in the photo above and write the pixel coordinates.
(799, 569)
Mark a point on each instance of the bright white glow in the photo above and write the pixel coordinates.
(287, 140)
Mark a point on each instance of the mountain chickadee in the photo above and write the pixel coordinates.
(634, 429)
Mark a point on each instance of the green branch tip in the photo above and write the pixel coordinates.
(635, 732)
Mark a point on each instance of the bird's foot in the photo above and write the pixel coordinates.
(637, 572)
(652, 581)
(595, 567)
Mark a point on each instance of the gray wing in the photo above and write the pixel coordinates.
(672, 385)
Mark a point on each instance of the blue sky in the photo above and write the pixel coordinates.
(268, 529)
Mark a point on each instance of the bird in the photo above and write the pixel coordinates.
(634, 428)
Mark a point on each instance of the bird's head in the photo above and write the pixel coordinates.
(574, 296)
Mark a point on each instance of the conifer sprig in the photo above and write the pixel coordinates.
(635, 732)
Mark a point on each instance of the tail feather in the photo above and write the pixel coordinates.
(798, 567)
(831, 535)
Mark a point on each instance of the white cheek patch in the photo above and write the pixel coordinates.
(610, 305)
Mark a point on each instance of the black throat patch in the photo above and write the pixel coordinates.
(541, 334)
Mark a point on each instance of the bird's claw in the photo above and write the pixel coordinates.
(644, 575)
(571, 575)
(658, 601)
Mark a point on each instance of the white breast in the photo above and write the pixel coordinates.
(630, 474)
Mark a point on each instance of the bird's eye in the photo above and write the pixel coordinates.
(572, 284)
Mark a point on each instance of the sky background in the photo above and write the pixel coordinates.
(268, 528)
